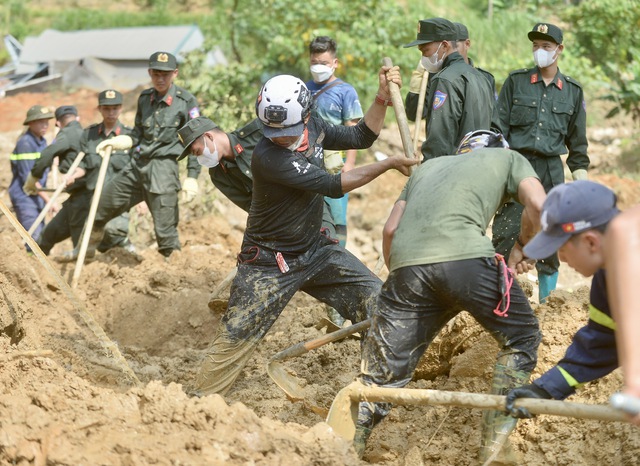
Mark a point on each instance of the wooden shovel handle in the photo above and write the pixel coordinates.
(401, 116)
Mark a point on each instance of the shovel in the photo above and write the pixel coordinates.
(343, 414)
(286, 381)
(55, 195)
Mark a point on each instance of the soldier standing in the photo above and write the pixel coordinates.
(542, 113)
(152, 175)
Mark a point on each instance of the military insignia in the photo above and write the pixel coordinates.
(543, 28)
(239, 149)
(44, 110)
(559, 84)
(163, 58)
(439, 99)
(534, 78)
(110, 94)
(169, 99)
(584, 105)
(194, 112)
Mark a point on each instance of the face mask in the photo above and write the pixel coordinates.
(208, 159)
(432, 64)
(543, 58)
(320, 73)
(293, 147)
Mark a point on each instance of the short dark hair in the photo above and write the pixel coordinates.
(322, 44)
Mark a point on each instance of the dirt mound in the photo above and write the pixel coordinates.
(74, 406)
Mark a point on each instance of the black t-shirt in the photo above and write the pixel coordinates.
(288, 187)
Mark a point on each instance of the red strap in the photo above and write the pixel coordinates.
(507, 276)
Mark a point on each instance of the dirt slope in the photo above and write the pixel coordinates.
(73, 406)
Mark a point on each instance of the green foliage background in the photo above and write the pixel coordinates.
(262, 38)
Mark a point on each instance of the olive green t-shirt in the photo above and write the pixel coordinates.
(450, 202)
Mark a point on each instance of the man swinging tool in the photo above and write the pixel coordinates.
(441, 263)
(283, 250)
(575, 220)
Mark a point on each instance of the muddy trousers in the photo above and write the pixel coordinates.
(417, 301)
(259, 293)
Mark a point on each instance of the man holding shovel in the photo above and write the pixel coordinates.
(283, 249)
(69, 222)
(575, 220)
(441, 263)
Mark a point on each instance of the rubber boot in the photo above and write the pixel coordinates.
(369, 415)
(335, 317)
(546, 284)
(495, 448)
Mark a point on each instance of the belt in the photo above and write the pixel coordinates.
(534, 153)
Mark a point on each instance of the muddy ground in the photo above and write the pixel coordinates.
(64, 400)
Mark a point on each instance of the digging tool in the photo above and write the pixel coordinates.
(86, 316)
(343, 413)
(627, 403)
(288, 382)
(102, 174)
(215, 303)
(55, 194)
(421, 96)
(401, 116)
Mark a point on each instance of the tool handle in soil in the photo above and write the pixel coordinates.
(401, 116)
(305, 347)
(54, 196)
(92, 215)
(627, 403)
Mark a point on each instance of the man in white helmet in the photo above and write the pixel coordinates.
(441, 262)
(283, 250)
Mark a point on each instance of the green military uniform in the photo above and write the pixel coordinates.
(233, 177)
(152, 175)
(541, 122)
(117, 229)
(459, 101)
(69, 222)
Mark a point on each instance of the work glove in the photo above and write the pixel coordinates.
(189, 189)
(121, 142)
(29, 186)
(416, 78)
(526, 391)
(579, 174)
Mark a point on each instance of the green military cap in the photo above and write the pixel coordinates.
(192, 131)
(546, 31)
(110, 97)
(462, 31)
(66, 110)
(163, 61)
(38, 112)
(434, 30)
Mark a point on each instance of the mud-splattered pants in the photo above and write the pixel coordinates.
(260, 291)
(417, 301)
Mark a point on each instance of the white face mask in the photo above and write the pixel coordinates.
(293, 147)
(208, 159)
(321, 73)
(432, 64)
(543, 58)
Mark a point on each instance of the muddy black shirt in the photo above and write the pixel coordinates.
(288, 187)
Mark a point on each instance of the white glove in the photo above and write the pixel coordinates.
(189, 189)
(29, 186)
(416, 78)
(579, 174)
(121, 142)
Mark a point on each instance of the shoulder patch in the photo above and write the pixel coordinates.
(439, 99)
(194, 112)
(249, 128)
(569, 79)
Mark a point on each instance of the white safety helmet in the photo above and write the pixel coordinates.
(480, 139)
(284, 102)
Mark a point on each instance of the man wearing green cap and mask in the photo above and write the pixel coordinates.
(152, 175)
(27, 206)
(459, 99)
(542, 113)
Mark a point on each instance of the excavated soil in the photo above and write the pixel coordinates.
(65, 401)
